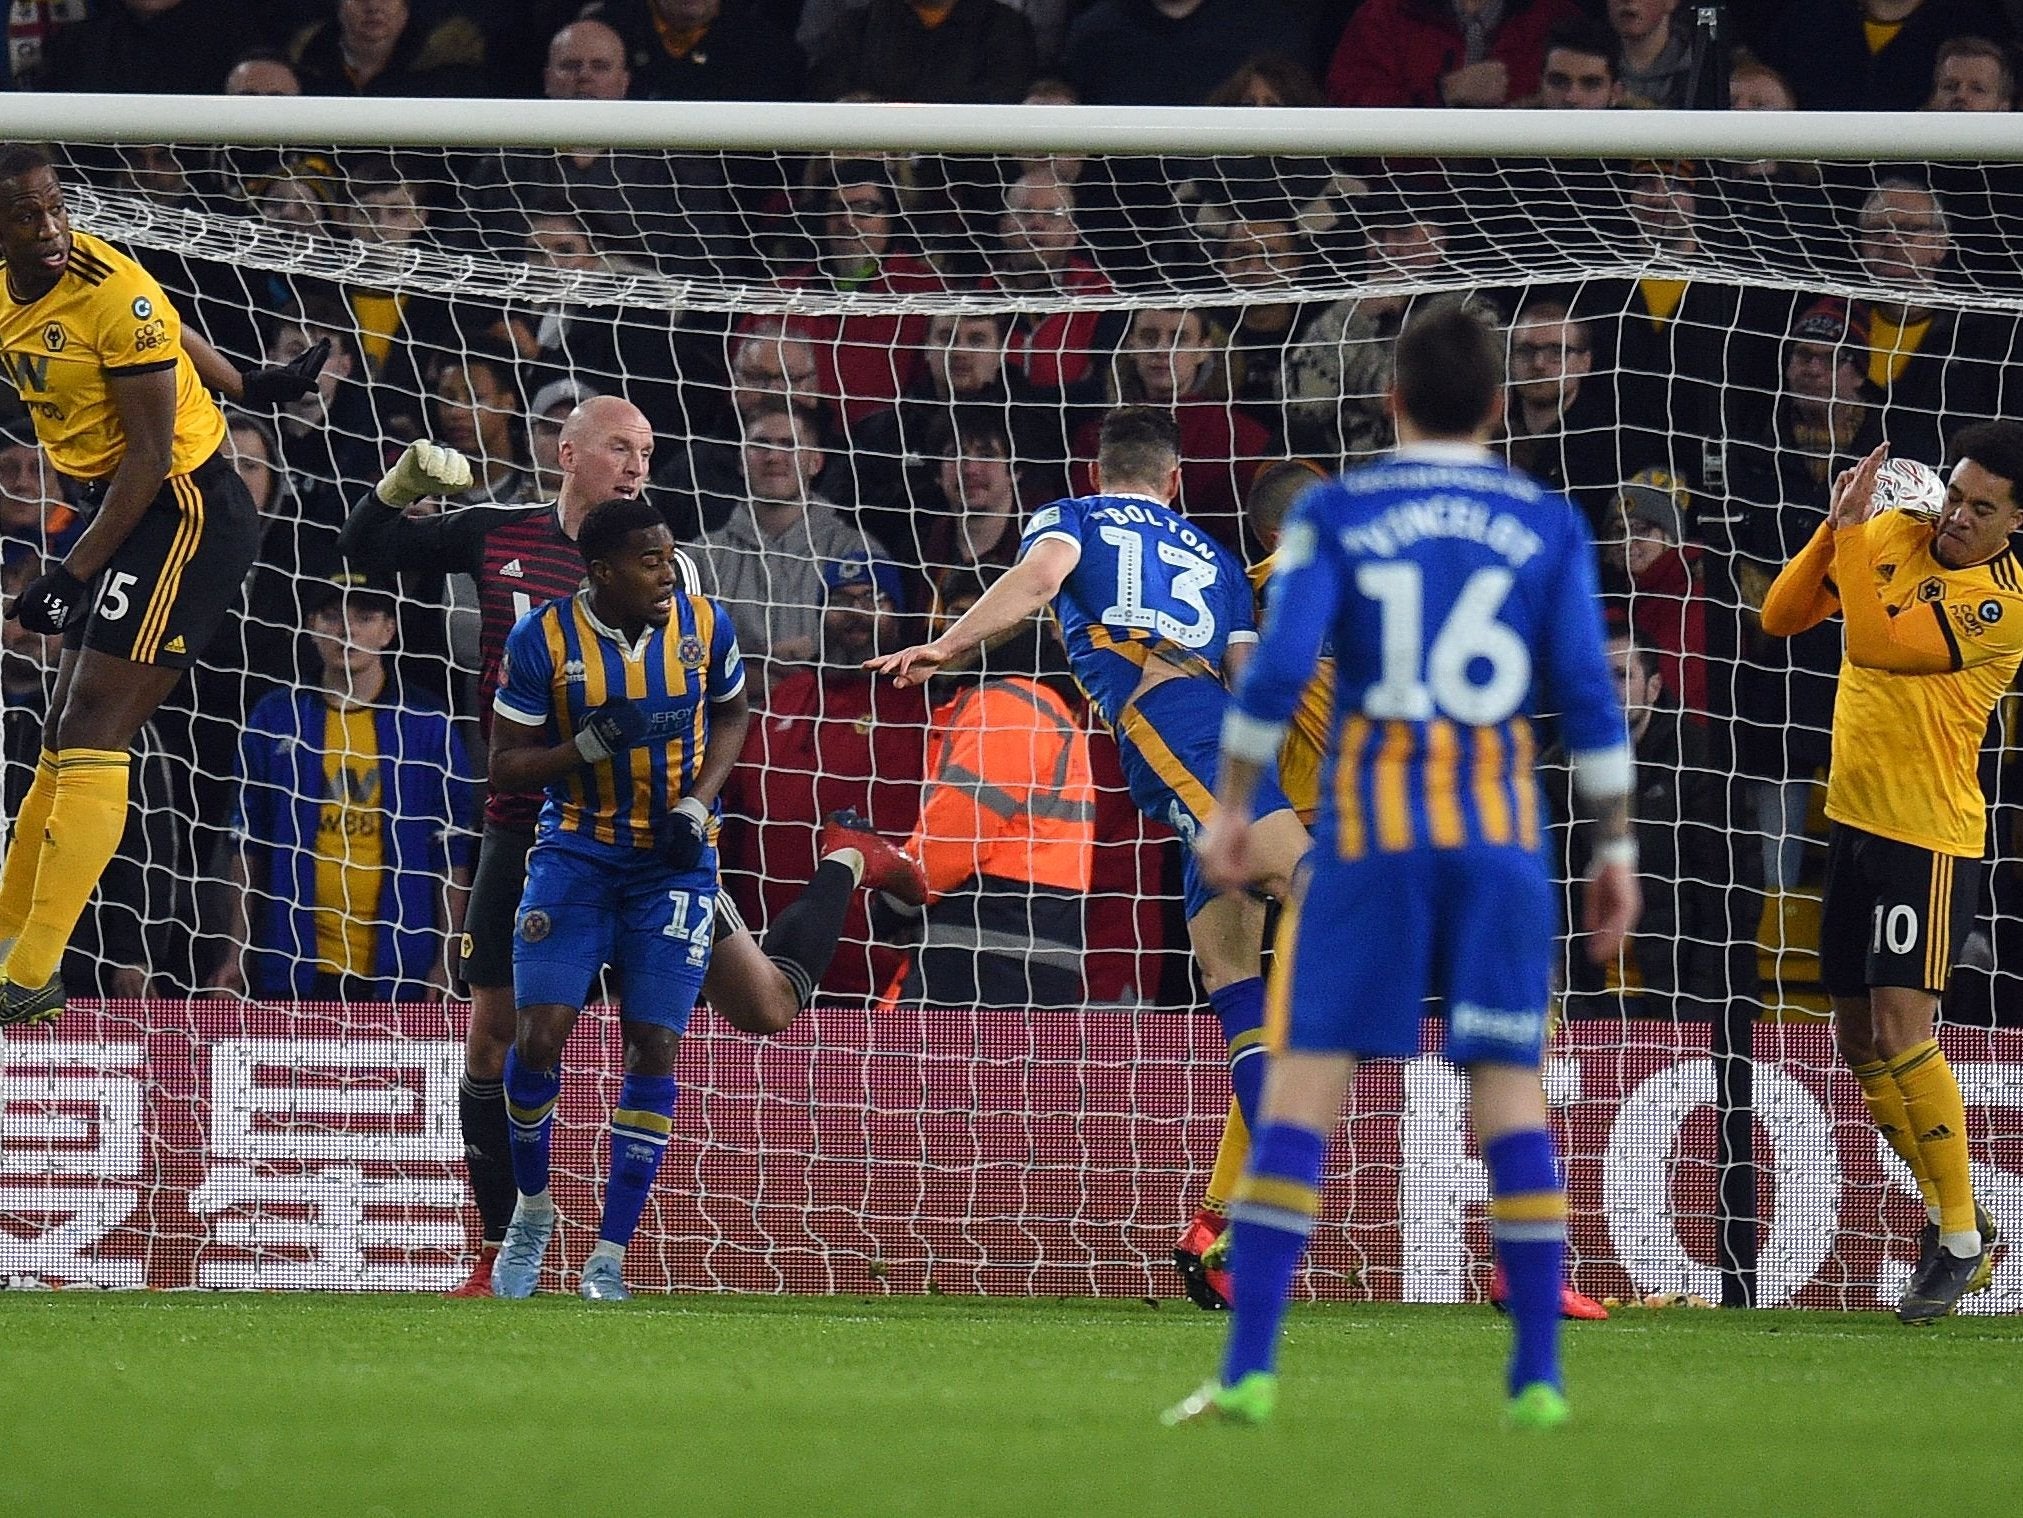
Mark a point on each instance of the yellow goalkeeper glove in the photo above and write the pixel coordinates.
(425, 469)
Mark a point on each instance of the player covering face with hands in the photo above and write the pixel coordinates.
(119, 394)
(1932, 597)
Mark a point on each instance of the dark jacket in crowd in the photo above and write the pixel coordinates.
(982, 52)
(743, 55)
(432, 58)
(1126, 52)
(1820, 46)
(185, 50)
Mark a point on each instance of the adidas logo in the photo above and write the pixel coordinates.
(511, 570)
(1940, 1132)
(175, 645)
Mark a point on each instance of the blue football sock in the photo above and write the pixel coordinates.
(1240, 1006)
(640, 1125)
(530, 1116)
(1527, 1221)
(1270, 1221)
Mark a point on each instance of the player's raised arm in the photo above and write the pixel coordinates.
(263, 387)
(1018, 593)
(379, 534)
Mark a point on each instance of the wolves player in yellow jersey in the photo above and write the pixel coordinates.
(1934, 613)
(1197, 1255)
(119, 404)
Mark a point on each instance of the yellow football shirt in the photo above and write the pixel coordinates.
(1906, 748)
(104, 316)
(1306, 738)
(350, 849)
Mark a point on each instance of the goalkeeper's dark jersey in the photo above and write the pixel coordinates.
(518, 558)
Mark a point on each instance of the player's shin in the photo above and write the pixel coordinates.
(87, 815)
(1271, 1221)
(530, 1117)
(1232, 1150)
(640, 1125)
(1938, 1117)
(802, 940)
(1892, 1119)
(1527, 1223)
(488, 1152)
(1240, 1007)
(24, 849)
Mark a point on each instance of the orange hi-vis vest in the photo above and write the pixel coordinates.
(1009, 793)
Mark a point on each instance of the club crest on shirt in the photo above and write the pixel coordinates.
(691, 653)
(1932, 590)
(54, 337)
(535, 925)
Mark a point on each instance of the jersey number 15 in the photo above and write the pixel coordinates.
(1420, 680)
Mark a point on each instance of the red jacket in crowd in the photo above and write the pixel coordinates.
(867, 360)
(1395, 52)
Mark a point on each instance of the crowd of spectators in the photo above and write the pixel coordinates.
(844, 476)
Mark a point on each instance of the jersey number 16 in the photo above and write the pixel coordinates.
(1419, 680)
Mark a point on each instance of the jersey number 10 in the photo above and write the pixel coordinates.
(1418, 680)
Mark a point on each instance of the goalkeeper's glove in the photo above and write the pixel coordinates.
(687, 834)
(279, 383)
(425, 469)
(50, 602)
(610, 729)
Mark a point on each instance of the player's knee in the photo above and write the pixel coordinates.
(650, 1049)
(771, 1007)
(492, 1033)
(541, 1037)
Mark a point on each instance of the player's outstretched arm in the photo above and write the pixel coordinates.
(1801, 597)
(1912, 644)
(1025, 588)
(268, 385)
(378, 535)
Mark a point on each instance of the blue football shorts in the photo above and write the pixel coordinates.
(1170, 742)
(588, 905)
(1371, 939)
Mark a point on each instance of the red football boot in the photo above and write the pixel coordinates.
(1571, 1303)
(479, 1282)
(887, 867)
(1206, 1288)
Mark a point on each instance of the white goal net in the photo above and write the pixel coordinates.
(905, 340)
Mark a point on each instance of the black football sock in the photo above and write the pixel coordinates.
(488, 1153)
(802, 940)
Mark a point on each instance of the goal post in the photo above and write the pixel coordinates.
(922, 310)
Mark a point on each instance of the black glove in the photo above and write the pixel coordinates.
(687, 835)
(278, 383)
(50, 602)
(610, 729)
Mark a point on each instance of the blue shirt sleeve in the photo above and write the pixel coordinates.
(1062, 519)
(259, 789)
(726, 664)
(1574, 677)
(1306, 590)
(526, 693)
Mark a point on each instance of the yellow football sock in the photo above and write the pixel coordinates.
(1939, 1119)
(1230, 1155)
(86, 818)
(24, 851)
(1886, 1110)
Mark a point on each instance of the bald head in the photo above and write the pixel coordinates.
(605, 450)
(586, 61)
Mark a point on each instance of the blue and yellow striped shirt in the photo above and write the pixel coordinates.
(561, 663)
(1459, 599)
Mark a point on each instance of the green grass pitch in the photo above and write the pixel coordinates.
(369, 1406)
